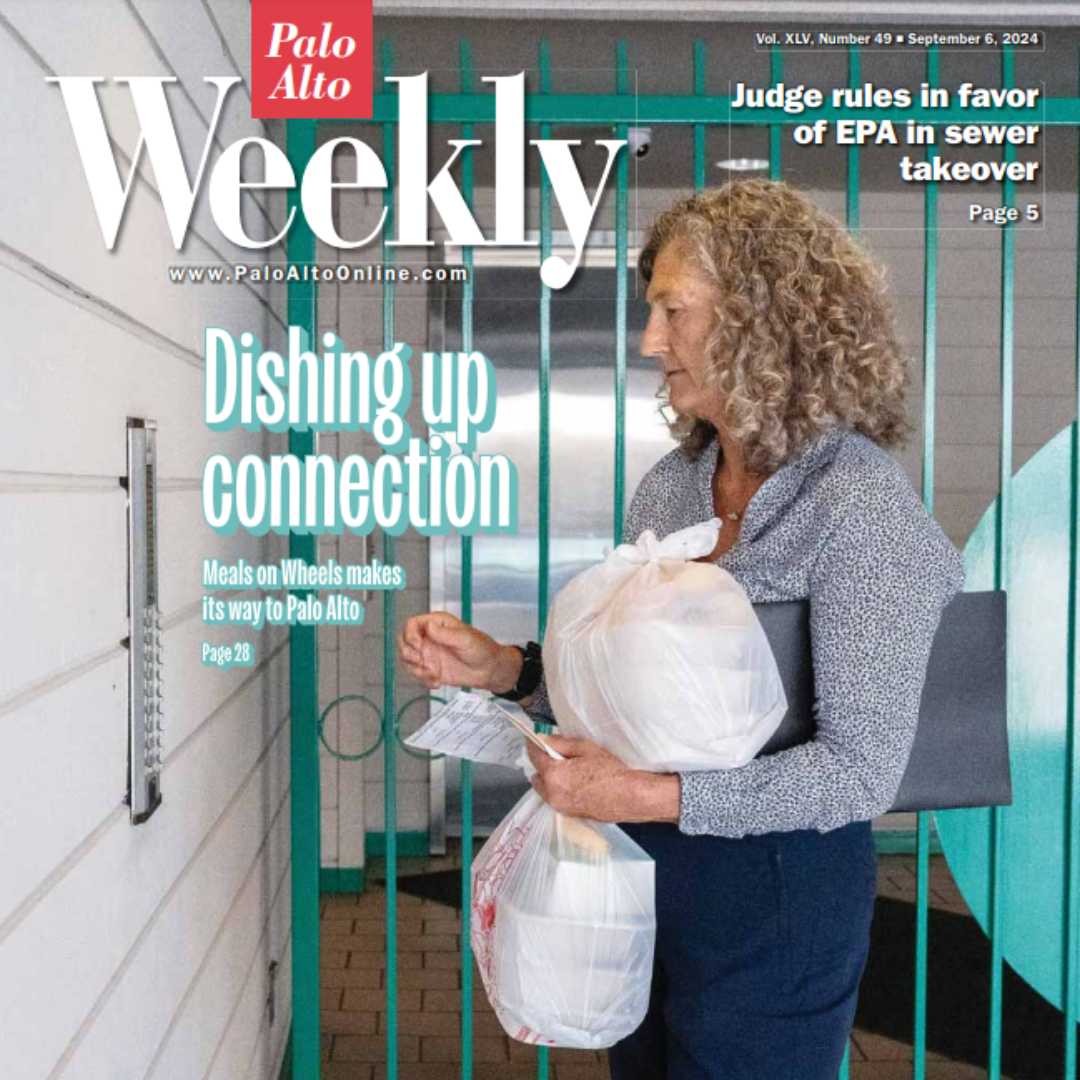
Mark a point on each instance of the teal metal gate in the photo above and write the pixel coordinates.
(619, 110)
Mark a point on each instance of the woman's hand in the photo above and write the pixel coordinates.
(591, 783)
(439, 649)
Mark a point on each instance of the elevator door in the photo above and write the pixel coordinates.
(580, 484)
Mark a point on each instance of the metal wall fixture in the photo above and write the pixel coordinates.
(145, 684)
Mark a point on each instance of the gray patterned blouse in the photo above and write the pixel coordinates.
(839, 524)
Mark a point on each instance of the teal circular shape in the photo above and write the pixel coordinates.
(422, 755)
(1032, 843)
(340, 754)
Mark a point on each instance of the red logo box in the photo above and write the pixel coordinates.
(310, 61)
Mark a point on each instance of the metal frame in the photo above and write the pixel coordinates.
(145, 682)
(621, 109)
(761, 12)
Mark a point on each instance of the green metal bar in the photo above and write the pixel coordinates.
(389, 623)
(853, 151)
(544, 524)
(699, 110)
(699, 129)
(304, 682)
(621, 241)
(1001, 575)
(1071, 965)
(466, 616)
(656, 109)
(845, 1065)
(922, 887)
(776, 75)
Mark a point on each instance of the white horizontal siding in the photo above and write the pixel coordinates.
(213, 914)
(78, 375)
(126, 952)
(110, 36)
(55, 800)
(87, 718)
(48, 217)
(233, 23)
(257, 927)
(186, 35)
(267, 1055)
(73, 605)
(70, 953)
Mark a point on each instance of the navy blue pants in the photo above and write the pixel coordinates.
(760, 946)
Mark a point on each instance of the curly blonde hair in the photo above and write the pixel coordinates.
(805, 336)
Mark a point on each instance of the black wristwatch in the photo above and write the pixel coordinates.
(532, 670)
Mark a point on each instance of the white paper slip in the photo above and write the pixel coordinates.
(524, 725)
(472, 727)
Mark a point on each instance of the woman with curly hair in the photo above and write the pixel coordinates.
(781, 363)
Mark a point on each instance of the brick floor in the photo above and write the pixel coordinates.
(354, 1017)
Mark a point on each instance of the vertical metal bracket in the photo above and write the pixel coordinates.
(144, 620)
(271, 996)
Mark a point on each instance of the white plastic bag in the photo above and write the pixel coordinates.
(662, 660)
(563, 928)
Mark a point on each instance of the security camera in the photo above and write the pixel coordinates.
(640, 139)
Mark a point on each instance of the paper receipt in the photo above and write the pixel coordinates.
(472, 727)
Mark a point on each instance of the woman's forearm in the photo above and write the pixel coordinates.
(657, 796)
(505, 670)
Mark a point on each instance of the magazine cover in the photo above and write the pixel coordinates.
(539, 540)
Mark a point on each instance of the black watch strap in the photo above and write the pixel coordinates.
(532, 670)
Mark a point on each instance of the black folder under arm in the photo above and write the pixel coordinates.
(961, 753)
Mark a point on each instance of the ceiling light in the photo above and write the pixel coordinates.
(743, 164)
